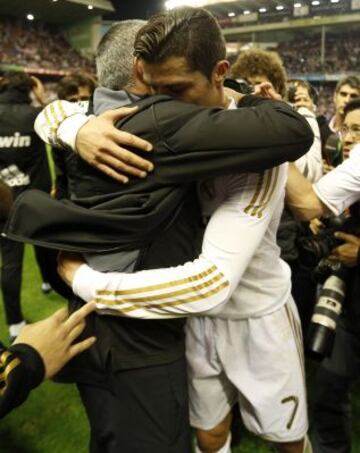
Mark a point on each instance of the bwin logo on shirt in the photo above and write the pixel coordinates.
(15, 141)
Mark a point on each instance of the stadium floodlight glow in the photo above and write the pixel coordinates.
(90, 7)
(297, 5)
(334, 1)
(231, 14)
(315, 3)
(171, 4)
(279, 7)
(246, 12)
(30, 17)
(262, 10)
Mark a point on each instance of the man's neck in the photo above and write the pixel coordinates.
(137, 88)
(338, 122)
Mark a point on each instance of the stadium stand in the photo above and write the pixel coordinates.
(22, 44)
(302, 56)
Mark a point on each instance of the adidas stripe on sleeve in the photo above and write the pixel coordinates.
(231, 239)
(58, 123)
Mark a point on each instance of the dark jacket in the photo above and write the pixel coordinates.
(65, 162)
(21, 370)
(159, 215)
(23, 159)
(190, 143)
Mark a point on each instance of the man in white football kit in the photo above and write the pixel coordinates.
(249, 348)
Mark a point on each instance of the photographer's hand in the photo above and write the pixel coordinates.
(39, 90)
(303, 99)
(266, 90)
(347, 253)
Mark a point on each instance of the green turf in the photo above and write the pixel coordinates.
(52, 420)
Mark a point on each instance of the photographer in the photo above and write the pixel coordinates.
(347, 89)
(335, 192)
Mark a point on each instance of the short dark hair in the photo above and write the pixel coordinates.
(351, 106)
(17, 80)
(353, 81)
(187, 32)
(257, 62)
(69, 85)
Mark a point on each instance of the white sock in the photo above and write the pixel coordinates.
(15, 329)
(307, 445)
(224, 449)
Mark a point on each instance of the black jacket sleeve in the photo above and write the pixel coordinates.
(61, 181)
(190, 143)
(210, 141)
(21, 370)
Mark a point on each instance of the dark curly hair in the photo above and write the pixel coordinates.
(258, 62)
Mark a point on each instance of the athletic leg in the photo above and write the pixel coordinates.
(217, 439)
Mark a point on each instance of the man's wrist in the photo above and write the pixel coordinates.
(32, 362)
(69, 128)
(86, 281)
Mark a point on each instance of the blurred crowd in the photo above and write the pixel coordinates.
(303, 56)
(23, 44)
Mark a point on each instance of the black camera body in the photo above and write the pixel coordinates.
(291, 92)
(239, 85)
(314, 248)
(314, 251)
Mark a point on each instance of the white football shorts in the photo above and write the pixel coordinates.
(257, 362)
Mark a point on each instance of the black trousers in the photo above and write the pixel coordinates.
(144, 411)
(12, 254)
(331, 428)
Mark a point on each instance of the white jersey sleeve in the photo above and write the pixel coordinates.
(310, 164)
(340, 188)
(59, 122)
(231, 239)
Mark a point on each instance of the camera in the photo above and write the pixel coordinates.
(239, 85)
(313, 253)
(291, 92)
(294, 84)
(322, 329)
(312, 249)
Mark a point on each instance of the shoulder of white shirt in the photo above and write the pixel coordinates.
(355, 152)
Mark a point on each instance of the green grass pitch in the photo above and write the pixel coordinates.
(52, 420)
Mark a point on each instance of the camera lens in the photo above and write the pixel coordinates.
(324, 319)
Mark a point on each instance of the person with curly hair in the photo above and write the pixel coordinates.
(257, 66)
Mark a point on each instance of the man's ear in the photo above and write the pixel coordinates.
(138, 69)
(220, 71)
